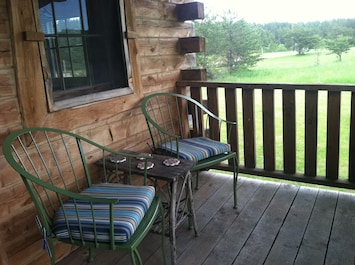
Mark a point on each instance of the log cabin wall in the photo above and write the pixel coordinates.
(117, 122)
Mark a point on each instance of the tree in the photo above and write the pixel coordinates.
(209, 59)
(242, 45)
(339, 45)
(302, 39)
(277, 32)
(230, 43)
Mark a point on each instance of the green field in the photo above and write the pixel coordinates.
(310, 68)
(314, 67)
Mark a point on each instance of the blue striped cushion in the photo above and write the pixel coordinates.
(133, 203)
(197, 148)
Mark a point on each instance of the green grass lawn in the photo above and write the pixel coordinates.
(310, 68)
(315, 67)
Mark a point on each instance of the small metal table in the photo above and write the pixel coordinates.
(179, 180)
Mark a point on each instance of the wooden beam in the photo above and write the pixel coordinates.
(190, 11)
(191, 44)
(33, 36)
(194, 74)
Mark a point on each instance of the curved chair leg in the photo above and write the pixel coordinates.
(50, 250)
(136, 257)
(91, 257)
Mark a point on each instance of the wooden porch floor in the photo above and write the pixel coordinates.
(274, 224)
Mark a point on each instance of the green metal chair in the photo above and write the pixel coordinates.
(179, 126)
(58, 170)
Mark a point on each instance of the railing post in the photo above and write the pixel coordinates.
(268, 129)
(249, 127)
(352, 140)
(311, 125)
(333, 133)
(196, 94)
(232, 115)
(289, 131)
(212, 105)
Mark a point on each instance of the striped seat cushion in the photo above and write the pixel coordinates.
(133, 203)
(197, 148)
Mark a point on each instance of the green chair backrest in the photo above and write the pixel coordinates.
(57, 165)
(172, 116)
(54, 164)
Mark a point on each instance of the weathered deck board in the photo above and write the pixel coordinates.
(315, 239)
(342, 240)
(290, 236)
(275, 224)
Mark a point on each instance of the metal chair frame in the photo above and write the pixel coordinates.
(171, 117)
(55, 166)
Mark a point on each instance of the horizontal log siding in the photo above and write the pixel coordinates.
(311, 92)
(117, 122)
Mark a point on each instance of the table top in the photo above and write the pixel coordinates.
(159, 170)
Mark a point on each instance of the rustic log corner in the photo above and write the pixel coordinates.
(194, 74)
(33, 36)
(190, 11)
(191, 44)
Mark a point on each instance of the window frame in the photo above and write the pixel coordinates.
(55, 105)
(31, 77)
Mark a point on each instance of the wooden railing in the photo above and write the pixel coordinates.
(280, 127)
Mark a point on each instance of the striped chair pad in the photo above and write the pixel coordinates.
(197, 148)
(80, 219)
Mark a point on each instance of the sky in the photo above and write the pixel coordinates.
(264, 11)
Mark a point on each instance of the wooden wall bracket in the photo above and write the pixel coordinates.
(194, 74)
(190, 11)
(191, 44)
(33, 36)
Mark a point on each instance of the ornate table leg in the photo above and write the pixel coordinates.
(174, 207)
(191, 203)
(172, 225)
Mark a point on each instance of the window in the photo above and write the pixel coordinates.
(85, 50)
